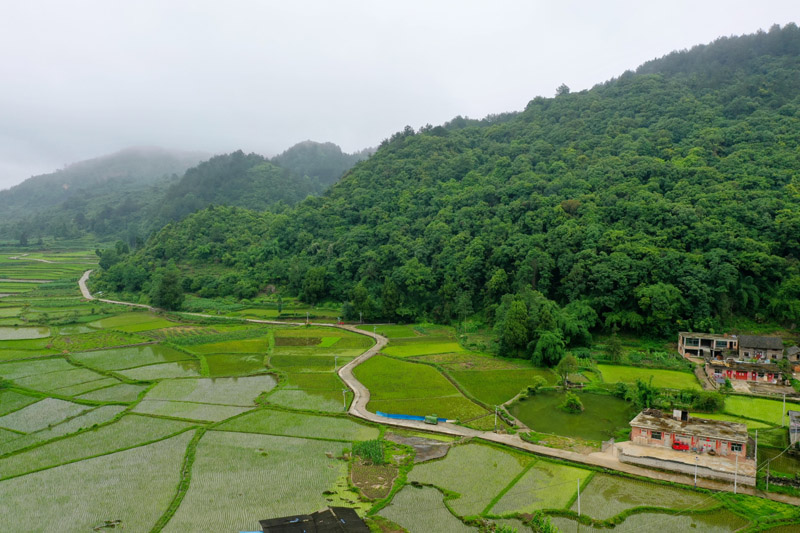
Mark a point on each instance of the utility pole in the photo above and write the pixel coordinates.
(768, 475)
(344, 399)
(335, 362)
(783, 414)
(736, 474)
(579, 497)
(360, 317)
(756, 452)
(495, 419)
(696, 460)
(306, 318)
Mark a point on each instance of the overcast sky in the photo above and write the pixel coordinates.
(80, 79)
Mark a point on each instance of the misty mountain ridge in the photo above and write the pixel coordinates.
(135, 191)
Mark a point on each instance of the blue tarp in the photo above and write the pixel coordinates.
(406, 417)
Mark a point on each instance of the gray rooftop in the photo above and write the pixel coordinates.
(764, 343)
(698, 427)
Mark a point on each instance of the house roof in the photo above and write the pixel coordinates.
(698, 427)
(765, 343)
(746, 367)
(794, 418)
(793, 350)
(708, 335)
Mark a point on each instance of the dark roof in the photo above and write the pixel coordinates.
(746, 367)
(765, 343)
(331, 520)
(793, 350)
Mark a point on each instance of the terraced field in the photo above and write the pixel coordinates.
(159, 423)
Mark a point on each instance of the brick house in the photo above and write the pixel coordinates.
(760, 348)
(651, 427)
(706, 345)
(737, 370)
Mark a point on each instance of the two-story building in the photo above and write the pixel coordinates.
(706, 345)
(738, 370)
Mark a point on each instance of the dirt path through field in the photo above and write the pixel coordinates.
(24, 257)
(358, 408)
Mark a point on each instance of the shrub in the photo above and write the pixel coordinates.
(370, 450)
(572, 404)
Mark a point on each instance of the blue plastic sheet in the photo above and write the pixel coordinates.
(406, 417)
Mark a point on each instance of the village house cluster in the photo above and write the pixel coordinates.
(750, 358)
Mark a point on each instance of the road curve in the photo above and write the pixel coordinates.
(358, 409)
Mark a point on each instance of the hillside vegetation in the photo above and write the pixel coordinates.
(135, 192)
(666, 198)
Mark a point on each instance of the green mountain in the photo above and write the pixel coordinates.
(134, 192)
(245, 180)
(101, 195)
(323, 162)
(666, 198)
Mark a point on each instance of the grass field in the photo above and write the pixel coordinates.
(671, 379)
(759, 408)
(94, 341)
(247, 346)
(272, 422)
(477, 472)
(111, 487)
(133, 322)
(422, 347)
(401, 387)
(239, 478)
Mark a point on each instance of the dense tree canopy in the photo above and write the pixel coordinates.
(667, 198)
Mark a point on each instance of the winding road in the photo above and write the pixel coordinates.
(358, 409)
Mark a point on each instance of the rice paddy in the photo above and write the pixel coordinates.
(271, 422)
(131, 357)
(238, 478)
(544, 485)
(401, 387)
(606, 496)
(134, 486)
(141, 384)
(477, 472)
(770, 411)
(422, 509)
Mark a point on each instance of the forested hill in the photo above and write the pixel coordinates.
(96, 195)
(132, 193)
(244, 180)
(667, 198)
(323, 162)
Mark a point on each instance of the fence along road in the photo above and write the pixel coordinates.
(358, 409)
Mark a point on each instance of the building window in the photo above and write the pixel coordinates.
(692, 342)
(656, 435)
(760, 374)
(722, 344)
(735, 447)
